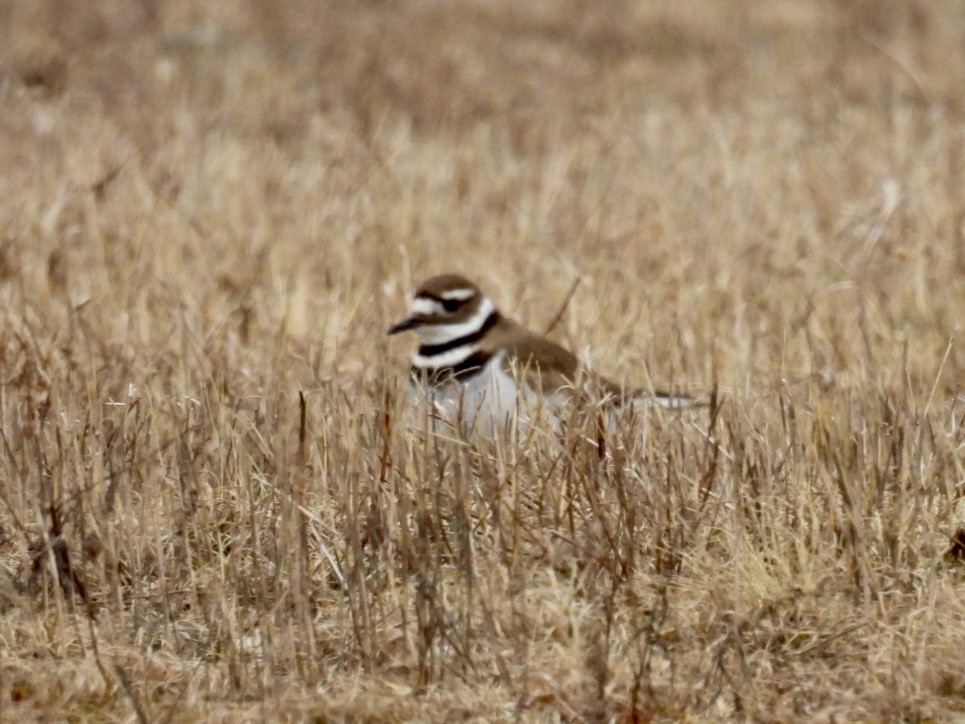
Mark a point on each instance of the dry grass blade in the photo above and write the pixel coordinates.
(562, 310)
(209, 210)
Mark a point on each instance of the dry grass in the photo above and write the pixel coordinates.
(213, 506)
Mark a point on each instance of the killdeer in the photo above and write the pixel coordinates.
(484, 369)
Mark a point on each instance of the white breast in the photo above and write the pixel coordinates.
(486, 403)
(493, 402)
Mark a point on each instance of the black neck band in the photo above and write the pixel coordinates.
(461, 371)
(430, 350)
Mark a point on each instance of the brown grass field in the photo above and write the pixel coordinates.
(215, 506)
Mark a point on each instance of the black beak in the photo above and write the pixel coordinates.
(405, 325)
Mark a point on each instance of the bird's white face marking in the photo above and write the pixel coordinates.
(458, 295)
(424, 305)
(435, 334)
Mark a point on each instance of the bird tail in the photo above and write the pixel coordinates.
(669, 401)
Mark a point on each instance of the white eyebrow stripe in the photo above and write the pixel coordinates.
(424, 305)
(449, 358)
(459, 295)
(444, 333)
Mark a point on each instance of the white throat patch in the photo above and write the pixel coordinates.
(436, 334)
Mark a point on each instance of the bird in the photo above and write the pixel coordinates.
(483, 370)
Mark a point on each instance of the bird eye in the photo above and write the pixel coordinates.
(451, 305)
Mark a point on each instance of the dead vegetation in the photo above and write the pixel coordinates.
(213, 503)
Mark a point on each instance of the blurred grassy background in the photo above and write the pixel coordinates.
(207, 208)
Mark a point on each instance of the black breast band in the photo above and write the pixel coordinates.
(431, 350)
(461, 371)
